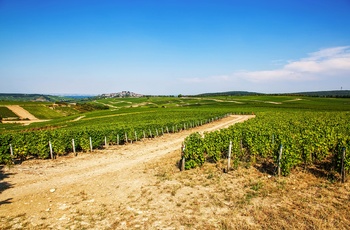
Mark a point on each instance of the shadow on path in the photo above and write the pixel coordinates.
(4, 185)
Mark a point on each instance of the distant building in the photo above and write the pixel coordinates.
(121, 94)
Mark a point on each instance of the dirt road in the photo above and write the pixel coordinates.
(93, 190)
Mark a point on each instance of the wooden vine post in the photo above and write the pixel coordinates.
(51, 152)
(126, 137)
(106, 142)
(342, 165)
(279, 160)
(229, 156)
(182, 167)
(11, 150)
(73, 147)
(90, 144)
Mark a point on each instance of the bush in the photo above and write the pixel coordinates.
(194, 151)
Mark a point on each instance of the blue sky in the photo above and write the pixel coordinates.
(172, 47)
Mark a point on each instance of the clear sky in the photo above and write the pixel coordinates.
(173, 46)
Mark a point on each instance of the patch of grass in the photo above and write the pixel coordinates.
(42, 111)
(281, 184)
(5, 112)
(163, 175)
(256, 186)
(174, 189)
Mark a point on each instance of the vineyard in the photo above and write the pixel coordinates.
(309, 130)
(305, 138)
(6, 113)
(96, 132)
(132, 173)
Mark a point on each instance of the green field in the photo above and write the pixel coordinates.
(6, 113)
(130, 119)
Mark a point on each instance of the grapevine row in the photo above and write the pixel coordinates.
(307, 138)
(36, 143)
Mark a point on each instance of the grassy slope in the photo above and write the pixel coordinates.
(42, 112)
(5, 112)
